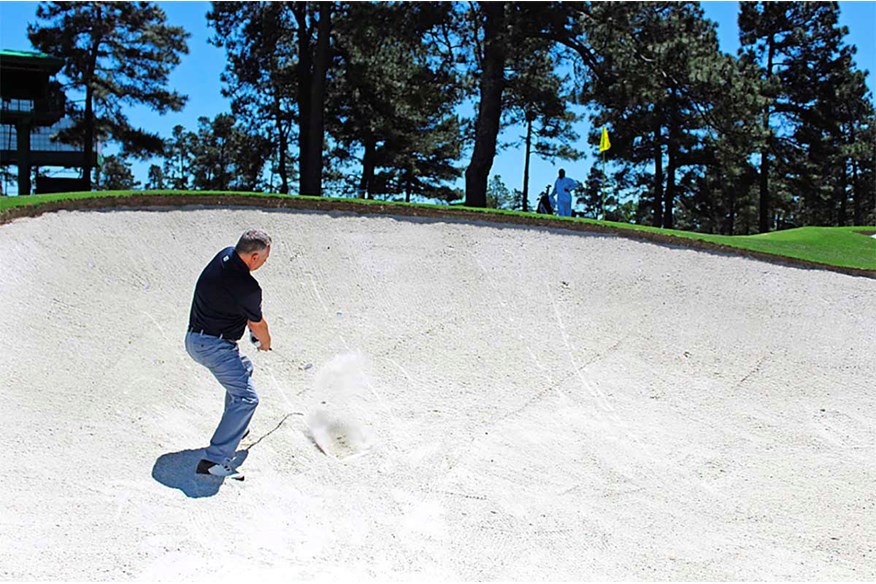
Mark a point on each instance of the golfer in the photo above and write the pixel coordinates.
(562, 194)
(228, 299)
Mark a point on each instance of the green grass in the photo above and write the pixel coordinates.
(835, 246)
(842, 247)
(36, 200)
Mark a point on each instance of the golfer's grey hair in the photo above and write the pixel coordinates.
(253, 240)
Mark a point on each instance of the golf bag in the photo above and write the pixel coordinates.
(544, 204)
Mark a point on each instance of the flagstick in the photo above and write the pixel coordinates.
(603, 146)
(602, 190)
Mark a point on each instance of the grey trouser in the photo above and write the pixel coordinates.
(234, 372)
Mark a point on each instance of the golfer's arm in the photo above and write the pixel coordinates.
(261, 332)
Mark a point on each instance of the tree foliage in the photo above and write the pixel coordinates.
(368, 99)
(221, 155)
(116, 175)
(815, 109)
(117, 54)
(261, 76)
(392, 99)
(663, 91)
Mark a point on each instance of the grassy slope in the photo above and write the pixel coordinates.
(835, 246)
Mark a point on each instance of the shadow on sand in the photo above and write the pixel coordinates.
(177, 471)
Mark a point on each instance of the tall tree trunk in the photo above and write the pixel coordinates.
(858, 218)
(764, 217)
(367, 181)
(312, 69)
(490, 106)
(526, 162)
(764, 214)
(283, 144)
(857, 215)
(304, 94)
(316, 134)
(671, 165)
(270, 25)
(842, 195)
(88, 146)
(731, 219)
(669, 199)
(183, 178)
(658, 177)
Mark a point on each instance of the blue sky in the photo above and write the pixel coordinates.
(198, 77)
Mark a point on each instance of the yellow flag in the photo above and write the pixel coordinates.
(604, 144)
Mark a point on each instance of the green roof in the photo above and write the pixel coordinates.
(31, 58)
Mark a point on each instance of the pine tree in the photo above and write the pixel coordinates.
(539, 98)
(178, 156)
(768, 31)
(392, 98)
(511, 49)
(817, 106)
(492, 41)
(155, 182)
(499, 196)
(212, 161)
(116, 175)
(314, 55)
(832, 101)
(227, 157)
(116, 53)
(279, 56)
(864, 172)
(260, 78)
(657, 79)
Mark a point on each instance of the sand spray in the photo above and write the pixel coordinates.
(340, 405)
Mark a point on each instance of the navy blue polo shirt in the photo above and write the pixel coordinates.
(226, 297)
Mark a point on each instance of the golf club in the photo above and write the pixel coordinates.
(257, 343)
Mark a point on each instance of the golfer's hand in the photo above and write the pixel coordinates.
(260, 331)
(259, 344)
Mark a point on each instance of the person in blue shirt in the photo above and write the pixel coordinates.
(226, 301)
(562, 194)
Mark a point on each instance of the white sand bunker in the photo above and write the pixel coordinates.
(340, 406)
(531, 405)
